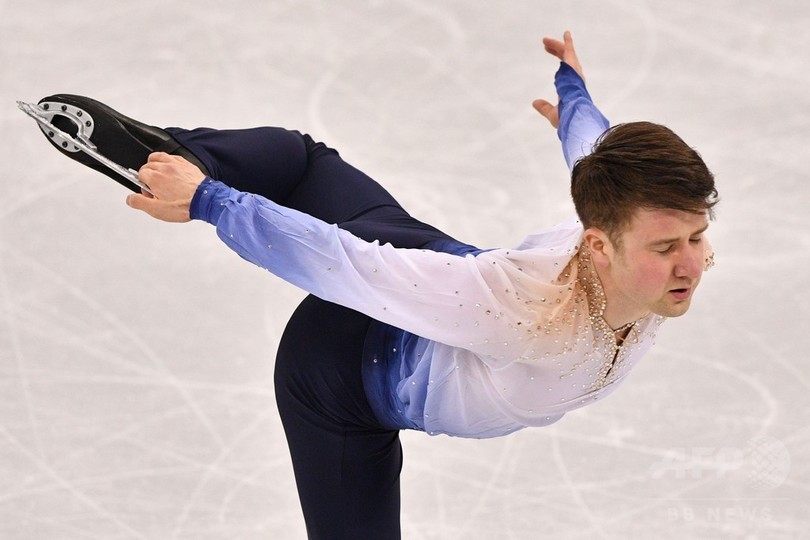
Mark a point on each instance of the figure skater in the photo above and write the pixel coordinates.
(406, 327)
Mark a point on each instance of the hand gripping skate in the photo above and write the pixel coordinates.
(44, 114)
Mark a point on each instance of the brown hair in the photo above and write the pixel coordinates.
(639, 165)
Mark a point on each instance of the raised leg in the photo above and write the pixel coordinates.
(295, 171)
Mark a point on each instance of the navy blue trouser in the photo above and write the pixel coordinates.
(346, 466)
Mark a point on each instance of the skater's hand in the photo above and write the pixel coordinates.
(173, 181)
(564, 50)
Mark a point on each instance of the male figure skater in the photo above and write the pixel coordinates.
(408, 328)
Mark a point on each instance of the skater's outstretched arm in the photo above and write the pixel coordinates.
(578, 121)
(468, 301)
(564, 50)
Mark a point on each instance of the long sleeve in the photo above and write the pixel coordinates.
(469, 302)
(581, 123)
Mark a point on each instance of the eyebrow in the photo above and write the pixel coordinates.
(673, 240)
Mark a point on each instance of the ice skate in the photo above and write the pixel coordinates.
(101, 138)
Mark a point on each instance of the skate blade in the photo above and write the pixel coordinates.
(44, 113)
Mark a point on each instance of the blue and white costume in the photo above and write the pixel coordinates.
(478, 345)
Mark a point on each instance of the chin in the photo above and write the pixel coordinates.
(672, 311)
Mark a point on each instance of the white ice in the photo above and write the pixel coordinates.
(136, 357)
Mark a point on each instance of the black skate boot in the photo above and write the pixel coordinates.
(101, 138)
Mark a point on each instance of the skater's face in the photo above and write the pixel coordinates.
(657, 264)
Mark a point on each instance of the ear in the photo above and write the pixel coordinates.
(600, 246)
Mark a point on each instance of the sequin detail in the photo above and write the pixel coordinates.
(590, 354)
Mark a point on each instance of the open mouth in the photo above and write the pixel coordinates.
(681, 294)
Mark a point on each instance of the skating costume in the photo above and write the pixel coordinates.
(464, 342)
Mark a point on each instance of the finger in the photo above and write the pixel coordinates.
(549, 111)
(159, 157)
(147, 176)
(143, 203)
(172, 212)
(569, 54)
(554, 47)
(163, 157)
(155, 174)
(568, 39)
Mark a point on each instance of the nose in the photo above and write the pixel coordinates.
(690, 263)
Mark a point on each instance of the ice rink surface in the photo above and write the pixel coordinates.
(136, 357)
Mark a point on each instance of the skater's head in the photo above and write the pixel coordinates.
(639, 165)
(645, 199)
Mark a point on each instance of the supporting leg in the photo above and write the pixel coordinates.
(346, 466)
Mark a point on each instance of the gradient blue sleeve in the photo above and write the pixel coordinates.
(581, 123)
(465, 302)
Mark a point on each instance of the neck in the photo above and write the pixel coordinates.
(619, 310)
